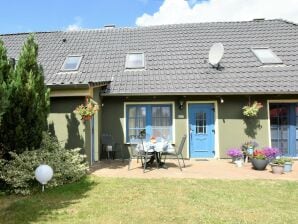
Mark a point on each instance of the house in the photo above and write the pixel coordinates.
(158, 78)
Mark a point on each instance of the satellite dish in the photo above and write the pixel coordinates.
(215, 54)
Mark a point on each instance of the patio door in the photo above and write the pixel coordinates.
(284, 127)
(201, 130)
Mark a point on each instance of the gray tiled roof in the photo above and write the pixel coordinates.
(176, 57)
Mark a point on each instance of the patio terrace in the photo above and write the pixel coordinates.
(200, 169)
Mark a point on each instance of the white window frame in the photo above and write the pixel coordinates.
(276, 58)
(172, 103)
(78, 64)
(130, 67)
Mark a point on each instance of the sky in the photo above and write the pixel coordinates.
(50, 15)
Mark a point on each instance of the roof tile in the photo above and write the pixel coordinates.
(176, 57)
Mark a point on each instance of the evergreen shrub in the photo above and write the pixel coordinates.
(18, 173)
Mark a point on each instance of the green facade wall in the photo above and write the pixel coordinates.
(233, 128)
(66, 125)
(70, 130)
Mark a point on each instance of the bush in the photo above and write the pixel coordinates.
(68, 165)
(2, 183)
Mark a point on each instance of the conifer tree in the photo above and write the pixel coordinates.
(26, 116)
(4, 73)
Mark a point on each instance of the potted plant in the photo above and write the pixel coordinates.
(248, 148)
(271, 153)
(235, 153)
(86, 111)
(259, 160)
(252, 110)
(277, 166)
(288, 164)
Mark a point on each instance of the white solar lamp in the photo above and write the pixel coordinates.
(43, 174)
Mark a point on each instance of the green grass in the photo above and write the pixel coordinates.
(118, 200)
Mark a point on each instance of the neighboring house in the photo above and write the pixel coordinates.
(159, 78)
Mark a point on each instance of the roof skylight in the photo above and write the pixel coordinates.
(71, 63)
(266, 56)
(135, 60)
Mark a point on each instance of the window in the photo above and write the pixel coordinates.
(155, 119)
(71, 63)
(136, 119)
(135, 60)
(201, 123)
(266, 56)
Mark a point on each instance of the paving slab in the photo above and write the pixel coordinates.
(201, 169)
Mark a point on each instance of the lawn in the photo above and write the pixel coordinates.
(118, 200)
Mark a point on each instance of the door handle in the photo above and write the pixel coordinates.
(213, 131)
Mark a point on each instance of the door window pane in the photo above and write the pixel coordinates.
(201, 123)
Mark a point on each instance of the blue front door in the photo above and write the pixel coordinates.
(201, 133)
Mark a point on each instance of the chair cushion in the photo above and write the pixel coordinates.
(109, 148)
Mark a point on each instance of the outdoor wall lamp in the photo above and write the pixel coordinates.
(181, 104)
(221, 100)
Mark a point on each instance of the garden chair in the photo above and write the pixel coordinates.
(177, 153)
(137, 151)
(110, 147)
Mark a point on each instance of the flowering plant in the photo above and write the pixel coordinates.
(266, 153)
(153, 139)
(271, 153)
(252, 110)
(86, 111)
(235, 153)
(259, 154)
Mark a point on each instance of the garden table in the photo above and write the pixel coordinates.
(157, 148)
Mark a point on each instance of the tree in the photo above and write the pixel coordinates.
(26, 116)
(4, 74)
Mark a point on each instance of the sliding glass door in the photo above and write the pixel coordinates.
(284, 127)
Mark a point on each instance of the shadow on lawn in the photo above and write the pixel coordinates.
(44, 206)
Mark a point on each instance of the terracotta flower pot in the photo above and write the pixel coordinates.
(86, 118)
(277, 169)
(259, 164)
